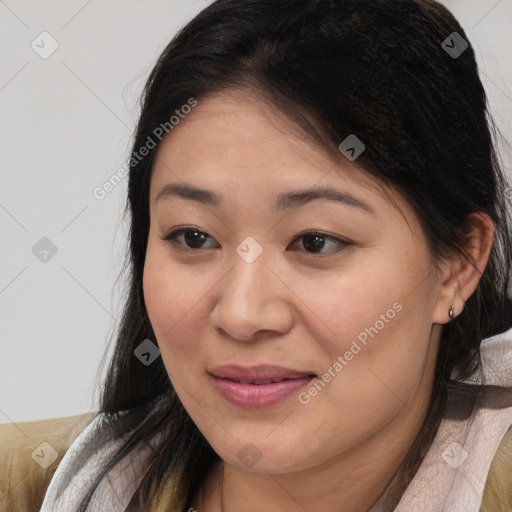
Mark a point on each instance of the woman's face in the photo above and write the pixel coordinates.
(353, 301)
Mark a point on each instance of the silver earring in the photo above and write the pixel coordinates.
(451, 313)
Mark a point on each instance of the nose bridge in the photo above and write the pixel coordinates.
(249, 269)
(248, 300)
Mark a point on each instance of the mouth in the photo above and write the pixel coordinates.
(261, 374)
(266, 381)
(258, 386)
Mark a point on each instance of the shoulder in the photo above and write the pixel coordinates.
(30, 453)
(100, 458)
(80, 465)
(497, 495)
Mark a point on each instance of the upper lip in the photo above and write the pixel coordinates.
(256, 373)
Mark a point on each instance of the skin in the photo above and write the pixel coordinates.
(293, 308)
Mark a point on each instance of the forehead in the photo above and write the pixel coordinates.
(243, 138)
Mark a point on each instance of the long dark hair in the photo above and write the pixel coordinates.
(375, 68)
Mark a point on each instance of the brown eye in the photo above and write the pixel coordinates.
(315, 242)
(192, 238)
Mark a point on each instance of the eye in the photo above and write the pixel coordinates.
(315, 241)
(193, 237)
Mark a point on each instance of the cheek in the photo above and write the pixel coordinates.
(358, 308)
(170, 304)
(162, 308)
(178, 301)
(374, 368)
(376, 327)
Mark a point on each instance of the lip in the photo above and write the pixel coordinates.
(256, 373)
(261, 393)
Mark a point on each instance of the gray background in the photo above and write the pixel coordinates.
(66, 125)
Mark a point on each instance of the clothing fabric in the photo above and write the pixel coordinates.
(85, 458)
(453, 474)
(450, 479)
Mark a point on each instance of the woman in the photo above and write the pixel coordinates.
(319, 246)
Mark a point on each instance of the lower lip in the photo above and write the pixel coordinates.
(258, 396)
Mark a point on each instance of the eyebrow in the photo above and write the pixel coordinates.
(284, 201)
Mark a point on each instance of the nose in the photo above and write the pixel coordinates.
(252, 299)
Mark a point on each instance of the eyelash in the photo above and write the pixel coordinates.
(175, 233)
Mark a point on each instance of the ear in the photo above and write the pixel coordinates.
(461, 273)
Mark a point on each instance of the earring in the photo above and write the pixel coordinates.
(451, 313)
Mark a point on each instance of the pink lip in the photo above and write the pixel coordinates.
(257, 396)
(260, 372)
